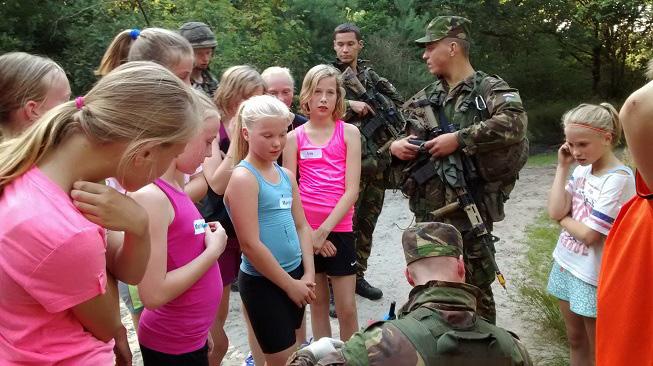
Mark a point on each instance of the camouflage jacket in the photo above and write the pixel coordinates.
(506, 118)
(379, 141)
(383, 344)
(208, 85)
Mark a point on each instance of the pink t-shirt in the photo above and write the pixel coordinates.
(51, 259)
(322, 177)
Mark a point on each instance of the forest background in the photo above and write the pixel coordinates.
(558, 53)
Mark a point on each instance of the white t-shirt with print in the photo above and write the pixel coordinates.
(596, 201)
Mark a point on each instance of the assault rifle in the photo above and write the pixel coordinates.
(385, 113)
(454, 169)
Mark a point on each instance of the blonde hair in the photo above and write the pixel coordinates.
(141, 103)
(272, 71)
(602, 116)
(206, 106)
(236, 83)
(24, 77)
(159, 45)
(312, 78)
(251, 111)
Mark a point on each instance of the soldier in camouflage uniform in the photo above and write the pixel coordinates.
(203, 41)
(490, 124)
(347, 43)
(437, 326)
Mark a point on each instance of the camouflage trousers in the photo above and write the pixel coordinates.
(367, 211)
(478, 260)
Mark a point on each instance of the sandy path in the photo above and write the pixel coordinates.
(386, 265)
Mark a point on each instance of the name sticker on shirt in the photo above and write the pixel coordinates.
(285, 202)
(199, 226)
(311, 154)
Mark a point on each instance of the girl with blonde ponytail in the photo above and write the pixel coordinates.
(585, 205)
(60, 305)
(276, 278)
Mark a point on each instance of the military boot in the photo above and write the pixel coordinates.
(363, 288)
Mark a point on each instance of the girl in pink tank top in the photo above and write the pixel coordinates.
(182, 286)
(327, 153)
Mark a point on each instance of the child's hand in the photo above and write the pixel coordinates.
(318, 236)
(327, 250)
(121, 348)
(215, 238)
(564, 155)
(301, 292)
(109, 208)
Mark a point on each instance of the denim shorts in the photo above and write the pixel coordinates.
(567, 287)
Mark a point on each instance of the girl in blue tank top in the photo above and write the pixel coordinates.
(276, 278)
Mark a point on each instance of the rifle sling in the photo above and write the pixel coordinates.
(368, 129)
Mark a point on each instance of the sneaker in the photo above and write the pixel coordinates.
(363, 288)
(249, 360)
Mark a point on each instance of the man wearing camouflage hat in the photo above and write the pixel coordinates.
(437, 326)
(475, 123)
(200, 36)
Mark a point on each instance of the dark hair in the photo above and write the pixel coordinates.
(348, 28)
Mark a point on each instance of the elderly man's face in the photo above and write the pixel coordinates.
(281, 88)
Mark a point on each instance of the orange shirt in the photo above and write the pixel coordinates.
(624, 325)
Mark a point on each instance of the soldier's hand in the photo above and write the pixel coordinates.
(442, 145)
(404, 150)
(360, 108)
(324, 346)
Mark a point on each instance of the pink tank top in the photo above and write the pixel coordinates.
(322, 177)
(182, 325)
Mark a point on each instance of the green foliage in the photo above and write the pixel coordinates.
(542, 307)
(557, 53)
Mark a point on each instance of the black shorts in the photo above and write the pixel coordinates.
(273, 315)
(344, 262)
(195, 358)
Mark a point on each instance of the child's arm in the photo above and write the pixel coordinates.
(559, 199)
(352, 182)
(101, 314)
(581, 231)
(160, 286)
(636, 116)
(196, 187)
(290, 153)
(593, 229)
(303, 231)
(243, 191)
(128, 252)
(221, 169)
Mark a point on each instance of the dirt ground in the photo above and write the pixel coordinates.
(386, 265)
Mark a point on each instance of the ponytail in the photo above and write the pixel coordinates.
(241, 146)
(616, 123)
(140, 103)
(19, 154)
(116, 54)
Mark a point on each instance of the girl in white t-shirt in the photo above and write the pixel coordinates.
(585, 205)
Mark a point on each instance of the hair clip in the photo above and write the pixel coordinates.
(134, 33)
(79, 102)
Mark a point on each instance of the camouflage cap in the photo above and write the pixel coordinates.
(447, 27)
(198, 34)
(431, 239)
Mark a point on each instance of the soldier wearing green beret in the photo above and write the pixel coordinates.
(439, 323)
(376, 114)
(473, 116)
(200, 36)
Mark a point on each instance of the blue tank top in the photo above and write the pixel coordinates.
(276, 225)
